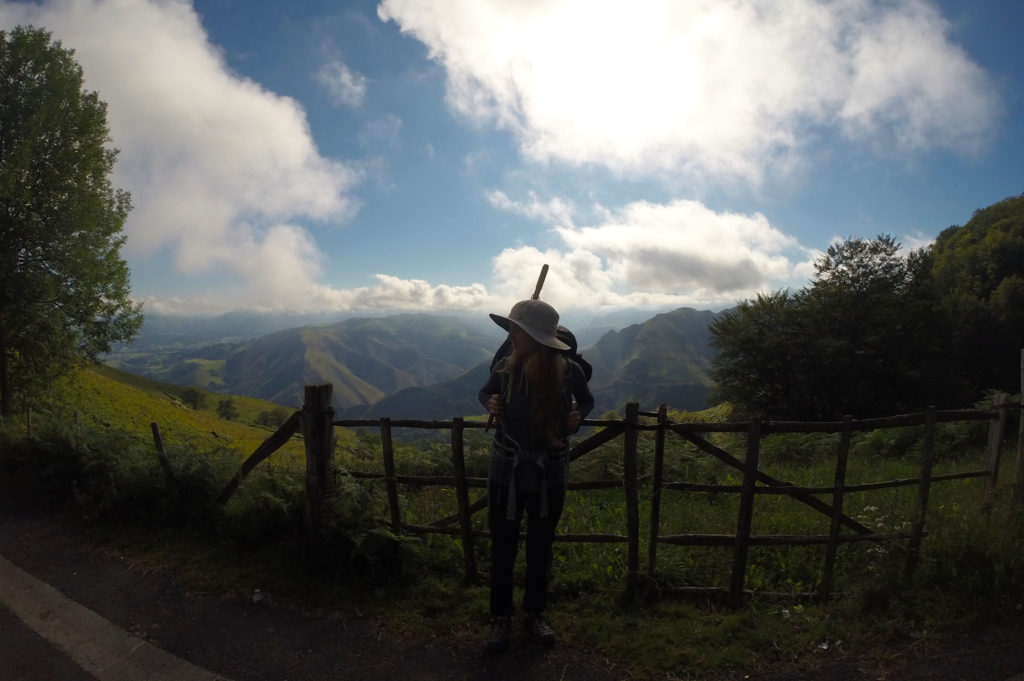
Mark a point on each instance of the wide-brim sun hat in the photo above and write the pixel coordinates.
(538, 319)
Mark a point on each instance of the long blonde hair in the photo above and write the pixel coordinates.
(544, 371)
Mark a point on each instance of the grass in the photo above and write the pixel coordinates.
(971, 567)
(208, 372)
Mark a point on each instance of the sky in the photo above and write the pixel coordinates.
(432, 155)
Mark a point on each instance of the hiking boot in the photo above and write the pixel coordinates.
(540, 630)
(501, 628)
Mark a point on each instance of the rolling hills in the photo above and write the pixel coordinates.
(108, 398)
(430, 367)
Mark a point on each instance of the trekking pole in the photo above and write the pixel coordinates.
(536, 296)
(540, 281)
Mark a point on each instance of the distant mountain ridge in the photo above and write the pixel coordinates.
(364, 358)
(425, 366)
(663, 360)
(162, 331)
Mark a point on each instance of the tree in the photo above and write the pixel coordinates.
(274, 418)
(227, 410)
(64, 289)
(979, 272)
(881, 332)
(194, 397)
(865, 338)
(756, 366)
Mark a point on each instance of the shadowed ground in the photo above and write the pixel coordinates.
(240, 639)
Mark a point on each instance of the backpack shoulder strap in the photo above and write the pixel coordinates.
(567, 382)
(506, 380)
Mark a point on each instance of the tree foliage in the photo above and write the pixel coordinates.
(274, 418)
(194, 397)
(880, 332)
(227, 410)
(64, 289)
(979, 269)
(758, 365)
(863, 339)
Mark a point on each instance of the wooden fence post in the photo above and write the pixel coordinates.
(996, 431)
(656, 482)
(924, 487)
(1017, 501)
(462, 496)
(744, 520)
(165, 464)
(825, 588)
(630, 481)
(388, 450)
(318, 429)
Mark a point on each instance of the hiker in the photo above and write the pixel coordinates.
(538, 397)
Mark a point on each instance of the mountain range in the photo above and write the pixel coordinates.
(413, 365)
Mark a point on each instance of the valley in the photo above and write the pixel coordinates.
(412, 365)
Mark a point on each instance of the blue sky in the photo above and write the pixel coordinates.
(432, 155)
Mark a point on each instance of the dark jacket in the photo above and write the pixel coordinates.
(516, 410)
(521, 459)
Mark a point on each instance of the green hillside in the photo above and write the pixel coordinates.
(663, 360)
(109, 398)
(364, 358)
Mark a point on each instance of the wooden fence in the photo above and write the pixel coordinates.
(317, 424)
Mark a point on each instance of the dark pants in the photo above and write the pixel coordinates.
(540, 535)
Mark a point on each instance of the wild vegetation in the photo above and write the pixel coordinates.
(64, 289)
(878, 331)
(103, 466)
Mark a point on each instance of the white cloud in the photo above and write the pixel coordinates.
(653, 255)
(290, 289)
(392, 294)
(556, 211)
(223, 172)
(214, 162)
(916, 241)
(643, 255)
(713, 90)
(342, 84)
(909, 83)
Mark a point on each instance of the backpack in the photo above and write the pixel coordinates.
(563, 334)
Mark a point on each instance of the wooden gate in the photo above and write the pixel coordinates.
(316, 422)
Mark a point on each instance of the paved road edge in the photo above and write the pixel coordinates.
(97, 645)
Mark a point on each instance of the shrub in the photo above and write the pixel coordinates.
(194, 398)
(274, 418)
(227, 410)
